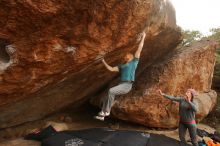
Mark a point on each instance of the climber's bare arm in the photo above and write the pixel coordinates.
(110, 68)
(138, 52)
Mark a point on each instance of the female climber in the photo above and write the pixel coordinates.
(187, 110)
(127, 75)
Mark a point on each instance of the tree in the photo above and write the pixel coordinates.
(190, 37)
(215, 35)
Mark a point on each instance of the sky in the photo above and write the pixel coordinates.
(197, 14)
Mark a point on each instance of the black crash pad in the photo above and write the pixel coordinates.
(162, 140)
(102, 137)
(97, 137)
(108, 137)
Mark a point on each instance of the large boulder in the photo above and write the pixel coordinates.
(187, 67)
(50, 50)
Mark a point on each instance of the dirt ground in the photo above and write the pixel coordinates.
(77, 119)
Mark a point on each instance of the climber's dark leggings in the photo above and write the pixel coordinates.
(192, 132)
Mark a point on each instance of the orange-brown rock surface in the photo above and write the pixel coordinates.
(50, 50)
(187, 67)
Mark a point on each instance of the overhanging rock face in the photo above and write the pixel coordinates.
(50, 50)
